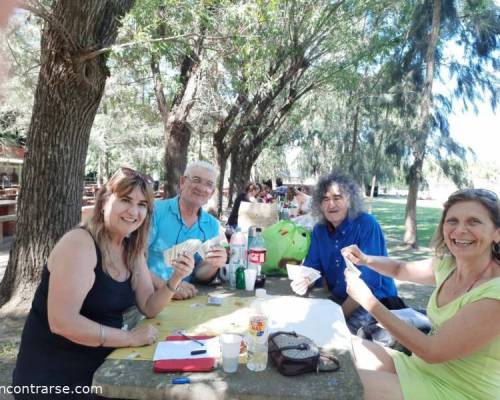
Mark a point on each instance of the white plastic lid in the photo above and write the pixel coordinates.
(260, 293)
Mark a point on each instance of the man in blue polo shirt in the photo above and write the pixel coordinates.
(339, 202)
(181, 218)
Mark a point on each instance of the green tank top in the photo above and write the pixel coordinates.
(475, 377)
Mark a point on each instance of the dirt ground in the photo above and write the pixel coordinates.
(10, 336)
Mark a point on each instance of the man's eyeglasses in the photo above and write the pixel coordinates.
(198, 181)
(488, 194)
(132, 172)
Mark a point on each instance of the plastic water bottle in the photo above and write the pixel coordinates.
(257, 252)
(258, 334)
(251, 235)
(238, 248)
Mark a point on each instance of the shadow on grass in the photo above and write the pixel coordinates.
(391, 217)
(403, 253)
(415, 296)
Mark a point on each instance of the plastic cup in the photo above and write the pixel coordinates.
(230, 350)
(228, 274)
(250, 276)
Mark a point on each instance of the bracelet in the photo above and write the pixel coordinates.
(102, 335)
(167, 284)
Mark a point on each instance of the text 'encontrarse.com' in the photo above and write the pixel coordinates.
(56, 389)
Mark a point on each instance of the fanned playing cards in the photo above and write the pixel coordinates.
(351, 267)
(190, 246)
(298, 273)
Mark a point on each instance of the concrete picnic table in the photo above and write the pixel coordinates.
(135, 379)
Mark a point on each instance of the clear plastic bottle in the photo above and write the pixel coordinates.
(258, 334)
(257, 252)
(238, 248)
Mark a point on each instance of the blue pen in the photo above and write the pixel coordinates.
(180, 381)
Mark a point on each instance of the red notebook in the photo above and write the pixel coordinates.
(185, 365)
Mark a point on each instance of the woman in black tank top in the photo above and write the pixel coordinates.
(93, 274)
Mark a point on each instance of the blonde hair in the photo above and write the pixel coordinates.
(122, 183)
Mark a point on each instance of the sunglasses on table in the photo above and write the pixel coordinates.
(132, 172)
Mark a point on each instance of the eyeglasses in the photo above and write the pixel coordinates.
(488, 194)
(132, 172)
(198, 181)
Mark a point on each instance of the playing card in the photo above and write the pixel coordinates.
(299, 286)
(297, 272)
(351, 267)
(206, 246)
(190, 246)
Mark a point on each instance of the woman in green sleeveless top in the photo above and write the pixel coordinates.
(460, 358)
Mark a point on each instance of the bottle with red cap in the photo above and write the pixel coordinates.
(257, 251)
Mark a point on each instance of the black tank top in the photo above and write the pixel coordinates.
(46, 358)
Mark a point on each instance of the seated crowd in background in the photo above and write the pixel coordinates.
(298, 199)
(250, 194)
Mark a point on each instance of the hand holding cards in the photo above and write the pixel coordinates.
(301, 277)
(191, 246)
(351, 267)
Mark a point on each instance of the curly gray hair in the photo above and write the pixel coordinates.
(347, 186)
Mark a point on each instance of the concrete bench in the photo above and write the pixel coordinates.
(6, 218)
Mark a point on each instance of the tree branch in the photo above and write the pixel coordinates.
(37, 9)
(96, 53)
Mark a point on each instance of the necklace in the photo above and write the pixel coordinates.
(477, 277)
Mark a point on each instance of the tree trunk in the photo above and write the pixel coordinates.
(221, 163)
(375, 165)
(232, 187)
(415, 175)
(410, 238)
(67, 96)
(354, 140)
(178, 130)
(240, 175)
(372, 192)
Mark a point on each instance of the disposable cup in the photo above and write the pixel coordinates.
(230, 351)
(250, 276)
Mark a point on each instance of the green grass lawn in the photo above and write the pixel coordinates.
(391, 215)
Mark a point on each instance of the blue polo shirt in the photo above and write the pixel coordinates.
(168, 229)
(324, 254)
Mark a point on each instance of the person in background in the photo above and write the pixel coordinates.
(249, 195)
(300, 200)
(269, 183)
(281, 189)
(14, 178)
(303, 189)
(265, 194)
(460, 358)
(93, 274)
(182, 218)
(338, 201)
